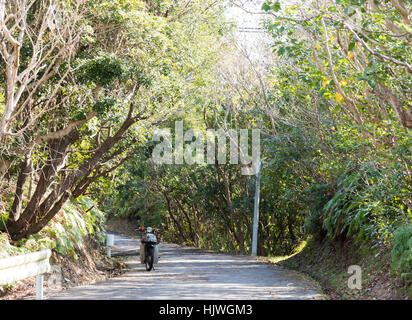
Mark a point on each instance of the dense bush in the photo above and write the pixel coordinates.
(6, 249)
(65, 232)
(402, 254)
(368, 204)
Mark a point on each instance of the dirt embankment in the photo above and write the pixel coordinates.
(85, 266)
(122, 226)
(328, 262)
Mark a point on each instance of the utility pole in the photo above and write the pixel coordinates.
(256, 206)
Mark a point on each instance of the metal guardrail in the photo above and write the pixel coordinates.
(20, 267)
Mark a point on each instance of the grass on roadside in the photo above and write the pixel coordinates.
(327, 263)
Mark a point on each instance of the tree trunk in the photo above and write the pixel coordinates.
(25, 167)
(237, 220)
(169, 208)
(31, 214)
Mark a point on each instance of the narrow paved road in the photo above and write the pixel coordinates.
(184, 273)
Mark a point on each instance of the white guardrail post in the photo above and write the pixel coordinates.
(17, 268)
(109, 244)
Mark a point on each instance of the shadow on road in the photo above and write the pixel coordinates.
(184, 273)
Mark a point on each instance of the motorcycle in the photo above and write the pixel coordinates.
(149, 247)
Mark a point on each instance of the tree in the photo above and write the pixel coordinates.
(121, 75)
(37, 38)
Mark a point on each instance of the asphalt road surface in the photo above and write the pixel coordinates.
(185, 273)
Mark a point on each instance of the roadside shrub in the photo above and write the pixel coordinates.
(94, 219)
(368, 204)
(66, 231)
(3, 219)
(7, 250)
(316, 197)
(402, 254)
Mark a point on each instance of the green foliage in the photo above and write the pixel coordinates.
(101, 70)
(68, 229)
(66, 232)
(6, 249)
(316, 197)
(133, 62)
(367, 204)
(334, 101)
(352, 178)
(94, 219)
(275, 6)
(36, 242)
(102, 107)
(402, 254)
(324, 174)
(3, 221)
